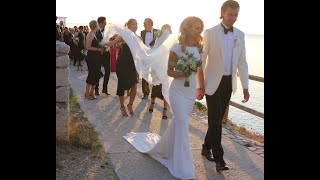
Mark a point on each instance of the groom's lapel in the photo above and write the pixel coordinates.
(220, 36)
(236, 48)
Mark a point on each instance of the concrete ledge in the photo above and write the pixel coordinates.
(62, 61)
(62, 124)
(62, 94)
(62, 77)
(62, 48)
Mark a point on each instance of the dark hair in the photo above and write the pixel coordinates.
(150, 20)
(80, 27)
(101, 19)
(75, 27)
(229, 3)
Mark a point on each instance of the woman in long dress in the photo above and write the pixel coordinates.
(172, 149)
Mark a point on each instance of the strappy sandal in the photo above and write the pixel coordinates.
(94, 97)
(151, 109)
(164, 116)
(88, 97)
(130, 109)
(123, 111)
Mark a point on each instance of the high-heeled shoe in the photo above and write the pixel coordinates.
(130, 109)
(88, 97)
(94, 97)
(164, 116)
(123, 111)
(151, 109)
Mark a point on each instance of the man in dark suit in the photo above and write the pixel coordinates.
(148, 37)
(104, 58)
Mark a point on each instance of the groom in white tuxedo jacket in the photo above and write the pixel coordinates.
(223, 54)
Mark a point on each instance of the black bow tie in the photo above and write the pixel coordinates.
(101, 30)
(227, 30)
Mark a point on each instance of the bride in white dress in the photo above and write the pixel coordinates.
(172, 149)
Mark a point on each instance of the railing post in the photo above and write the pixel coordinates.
(225, 116)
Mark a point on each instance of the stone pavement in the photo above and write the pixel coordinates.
(104, 114)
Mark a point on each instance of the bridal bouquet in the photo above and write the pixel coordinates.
(105, 47)
(188, 65)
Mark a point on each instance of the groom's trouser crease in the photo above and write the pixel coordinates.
(217, 104)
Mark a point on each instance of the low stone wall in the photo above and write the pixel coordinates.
(62, 91)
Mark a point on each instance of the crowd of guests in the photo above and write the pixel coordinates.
(75, 38)
(85, 45)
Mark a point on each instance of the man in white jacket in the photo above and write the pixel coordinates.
(223, 54)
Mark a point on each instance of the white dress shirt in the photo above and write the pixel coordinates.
(148, 38)
(102, 33)
(228, 50)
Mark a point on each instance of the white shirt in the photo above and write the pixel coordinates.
(228, 50)
(148, 38)
(102, 33)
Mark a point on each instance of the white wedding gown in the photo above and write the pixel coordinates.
(172, 149)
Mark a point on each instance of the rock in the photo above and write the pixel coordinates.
(259, 144)
(230, 136)
(62, 48)
(252, 148)
(259, 151)
(237, 141)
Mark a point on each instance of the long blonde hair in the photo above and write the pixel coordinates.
(184, 31)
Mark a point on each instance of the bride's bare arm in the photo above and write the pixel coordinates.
(116, 41)
(170, 71)
(200, 78)
(200, 84)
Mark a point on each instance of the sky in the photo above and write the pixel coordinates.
(81, 12)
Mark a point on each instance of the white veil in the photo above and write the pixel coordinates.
(151, 64)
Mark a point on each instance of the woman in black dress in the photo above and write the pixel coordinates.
(126, 70)
(92, 59)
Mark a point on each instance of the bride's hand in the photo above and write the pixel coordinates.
(199, 93)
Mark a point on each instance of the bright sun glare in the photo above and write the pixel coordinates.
(81, 12)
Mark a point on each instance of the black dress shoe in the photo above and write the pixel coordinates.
(145, 97)
(207, 153)
(105, 91)
(97, 93)
(221, 165)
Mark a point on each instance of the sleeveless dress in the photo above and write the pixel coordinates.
(93, 64)
(173, 149)
(125, 70)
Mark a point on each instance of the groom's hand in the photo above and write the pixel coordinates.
(199, 93)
